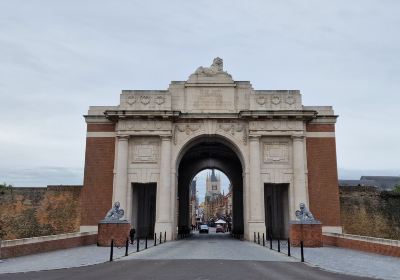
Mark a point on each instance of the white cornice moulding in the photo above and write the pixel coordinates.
(100, 134)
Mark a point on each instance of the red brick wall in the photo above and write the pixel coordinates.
(100, 127)
(322, 176)
(46, 246)
(310, 234)
(96, 195)
(313, 127)
(118, 232)
(361, 245)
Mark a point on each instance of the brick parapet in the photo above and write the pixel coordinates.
(310, 234)
(119, 232)
(363, 243)
(35, 245)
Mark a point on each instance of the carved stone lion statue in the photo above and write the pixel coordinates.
(115, 213)
(216, 67)
(303, 214)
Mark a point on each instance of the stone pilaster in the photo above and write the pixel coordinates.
(164, 189)
(121, 176)
(256, 221)
(300, 193)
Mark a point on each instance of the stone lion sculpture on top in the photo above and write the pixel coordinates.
(115, 213)
(304, 215)
(216, 67)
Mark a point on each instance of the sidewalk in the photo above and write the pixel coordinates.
(347, 261)
(74, 257)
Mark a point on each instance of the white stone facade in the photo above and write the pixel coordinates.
(265, 128)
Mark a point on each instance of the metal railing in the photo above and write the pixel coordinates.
(140, 244)
(283, 246)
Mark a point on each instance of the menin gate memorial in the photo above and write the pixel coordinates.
(276, 152)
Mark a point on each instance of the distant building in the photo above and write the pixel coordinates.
(383, 183)
(216, 204)
(213, 184)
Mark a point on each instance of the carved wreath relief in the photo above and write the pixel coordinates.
(145, 99)
(267, 100)
(131, 99)
(234, 128)
(187, 129)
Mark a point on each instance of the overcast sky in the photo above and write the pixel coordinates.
(59, 57)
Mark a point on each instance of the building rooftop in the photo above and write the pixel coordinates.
(384, 183)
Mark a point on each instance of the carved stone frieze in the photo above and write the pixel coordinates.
(144, 125)
(276, 100)
(145, 101)
(131, 99)
(235, 129)
(276, 151)
(261, 99)
(145, 151)
(186, 129)
(278, 125)
(159, 100)
(290, 99)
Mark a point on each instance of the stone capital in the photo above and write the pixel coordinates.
(166, 137)
(254, 137)
(123, 137)
(298, 137)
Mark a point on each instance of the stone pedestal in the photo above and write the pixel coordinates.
(310, 233)
(119, 231)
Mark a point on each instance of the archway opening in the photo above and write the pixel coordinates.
(210, 153)
(211, 201)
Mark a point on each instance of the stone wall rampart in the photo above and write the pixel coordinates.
(28, 212)
(369, 212)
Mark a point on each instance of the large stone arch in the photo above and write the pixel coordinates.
(224, 155)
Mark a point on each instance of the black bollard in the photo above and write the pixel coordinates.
(270, 242)
(112, 250)
(288, 247)
(258, 235)
(145, 243)
(279, 244)
(263, 240)
(160, 237)
(302, 251)
(155, 239)
(126, 246)
(137, 244)
(254, 237)
(165, 236)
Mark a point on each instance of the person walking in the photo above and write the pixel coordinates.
(132, 234)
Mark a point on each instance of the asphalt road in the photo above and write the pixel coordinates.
(185, 269)
(200, 258)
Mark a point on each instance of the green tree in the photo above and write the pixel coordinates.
(396, 188)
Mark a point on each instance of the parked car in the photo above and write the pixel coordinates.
(219, 229)
(203, 229)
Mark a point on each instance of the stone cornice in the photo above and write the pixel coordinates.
(115, 115)
(307, 115)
